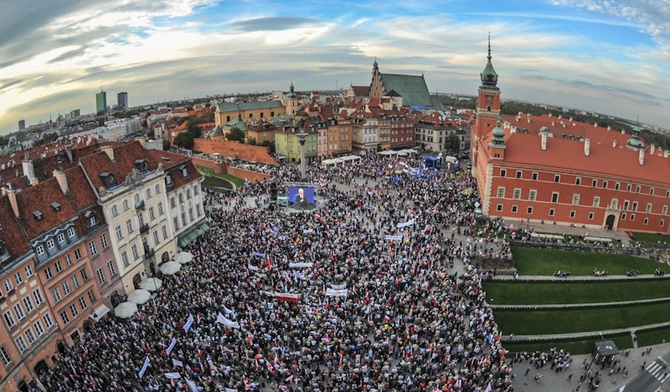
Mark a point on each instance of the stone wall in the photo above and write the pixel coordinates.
(235, 149)
(223, 168)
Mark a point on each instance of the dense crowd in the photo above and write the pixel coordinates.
(335, 299)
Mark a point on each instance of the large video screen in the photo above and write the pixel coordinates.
(300, 195)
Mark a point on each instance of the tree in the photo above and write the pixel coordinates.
(166, 145)
(236, 134)
(267, 143)
(193, 129)
(184, 140)
(452, 143)
(251, 141)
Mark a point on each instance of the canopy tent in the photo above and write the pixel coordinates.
(334, 161)
(388, 152)
(409, 151)
(183, 257)
(170, 267)
(125, 309)
(139, 296)
(192, 234)
(348, 158)
(100, 312)
(151, 284)
(432, 162)
(606, 348)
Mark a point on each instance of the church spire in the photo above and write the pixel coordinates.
(489, 76)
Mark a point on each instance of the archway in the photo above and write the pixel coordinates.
(115, 298)
(609, 223)
(41, 368)
(23, 387)
(88, 326)
(62, 348)
(137, 280)
(165, 257)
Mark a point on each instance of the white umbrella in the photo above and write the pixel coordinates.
(170, 267)
(183, 257)
(125, 309)
(139, 296)
(151, 284)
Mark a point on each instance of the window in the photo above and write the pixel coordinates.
(129, 226)
(30, 336)
(623, 216)
(6, 359)
(37, 295)
(665, 210)
(629, 187)
(503, 173)
(29, 271)
(71, 232)
(59, 267)
(56, 294)
(499, 207)
(66, 288)
(517, 193)
(28, 303)
(115, 210)
(604, 184)
(573, 213)
(596, 201)
(554, 197)
(160, 208)
(649, 207)
(124, 257)
(8, 285)
(18, 311)
(61, 238)
(68, 260)
(156, 239)
(165, 233)
(91, 296)
(646, 221)
(184, 171)
(39, 250)
(101, 276)
(557, 178)
(632, 217)
(515, 209)
(148, 193)
(136, 254)
(173, 203)
(92, 248)
(634, 206)
(48, 322)
(195, 191)
(74, 310)
(126, 205)
(519, 174)
(82, 303)
(103, 240)
(119, 232)
(110, 266)
(638, 189)
(157, 189)
(578, 181)
(77, 254)
(529, 210)
(575, 199)
(84, 274)
(51, 244)
(534, 176)
(594, 183)
(75, 281)
(18, 278)
(38, 327)
(501, 192)
(617, 186)
(552, 212)
(21, 344)
(168, 178)
(615, 203)
(65, 317)
(152, 213)
(137, 199)
(9, 319)
(662, 223)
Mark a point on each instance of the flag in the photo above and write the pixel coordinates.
(177, 362)
(172, 344)
(173, 375)
(336, 292)
(221, 319)
(189, 322)
(191, 384)
(269, 263)
(290, 297)
(144, 367)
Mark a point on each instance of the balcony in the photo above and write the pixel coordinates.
(144, 228)
(139, 206)
(149, 253)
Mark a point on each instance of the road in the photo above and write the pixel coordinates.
(650, 378)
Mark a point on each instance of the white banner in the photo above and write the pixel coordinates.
(172, 344)
(229, 390)
(300, 265)
(177, 362)
(173, 376)
(338, 286)
(227, 311)
(336, 293)
(191, 384)
(405, 224)
(189, 322)
(144, 367)
(227, 322)
(252, 268)
(394, 237)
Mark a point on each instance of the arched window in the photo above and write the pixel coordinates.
(227, 118)
(261, 114)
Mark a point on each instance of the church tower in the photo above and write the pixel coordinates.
(291, 101)
(488, 100)
(376, 85)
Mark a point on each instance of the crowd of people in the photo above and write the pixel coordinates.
(360, 294)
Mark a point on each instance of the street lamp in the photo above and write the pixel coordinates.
(302, 137)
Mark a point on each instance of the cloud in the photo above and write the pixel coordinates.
(272, 23)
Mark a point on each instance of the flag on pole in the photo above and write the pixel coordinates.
(189, 322)
(144, 367)
(177, 362)
(172, 344)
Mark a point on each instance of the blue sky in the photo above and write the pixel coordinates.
(607, 56)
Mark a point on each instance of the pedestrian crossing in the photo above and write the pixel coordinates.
(658, 371)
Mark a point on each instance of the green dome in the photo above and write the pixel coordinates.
(498, 132)
(635, 143)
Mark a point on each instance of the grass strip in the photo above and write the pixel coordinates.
(547, 293)
(653, 336)
(652, 238)
(574, 347)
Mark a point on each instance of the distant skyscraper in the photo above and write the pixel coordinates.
(22, 125)
(75, 113)
(122, 100)
(101, 102)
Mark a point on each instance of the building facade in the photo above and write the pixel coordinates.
(101, 102)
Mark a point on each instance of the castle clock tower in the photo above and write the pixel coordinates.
(488, 102)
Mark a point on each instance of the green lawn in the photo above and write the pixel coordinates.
(239, 182)
(533, 261)
(544, 293)
(574, 347)
(540, 322)
(652, 238)
(651, 337)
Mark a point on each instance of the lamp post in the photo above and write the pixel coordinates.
(302, 137)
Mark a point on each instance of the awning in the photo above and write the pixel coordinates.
(100, 312)
(194, 232)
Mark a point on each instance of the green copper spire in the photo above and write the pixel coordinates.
(291, 93)
(489, 76)
(498, 139)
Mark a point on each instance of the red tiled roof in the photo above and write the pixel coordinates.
(11, 233)
(361, 91)
(39, 198)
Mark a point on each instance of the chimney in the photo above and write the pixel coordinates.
(665, 153)
(652, 149)
(11, 195)
(641, 157)
(614, 143)
(109, 150)
(29, 170)
(587, 147)
(543, 144)
(62, 180)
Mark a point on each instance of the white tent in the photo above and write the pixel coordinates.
(151, 284)
(125, 309)
(183, 257)
(170, 267)
(139, 296)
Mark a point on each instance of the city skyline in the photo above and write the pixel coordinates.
(593, 55)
